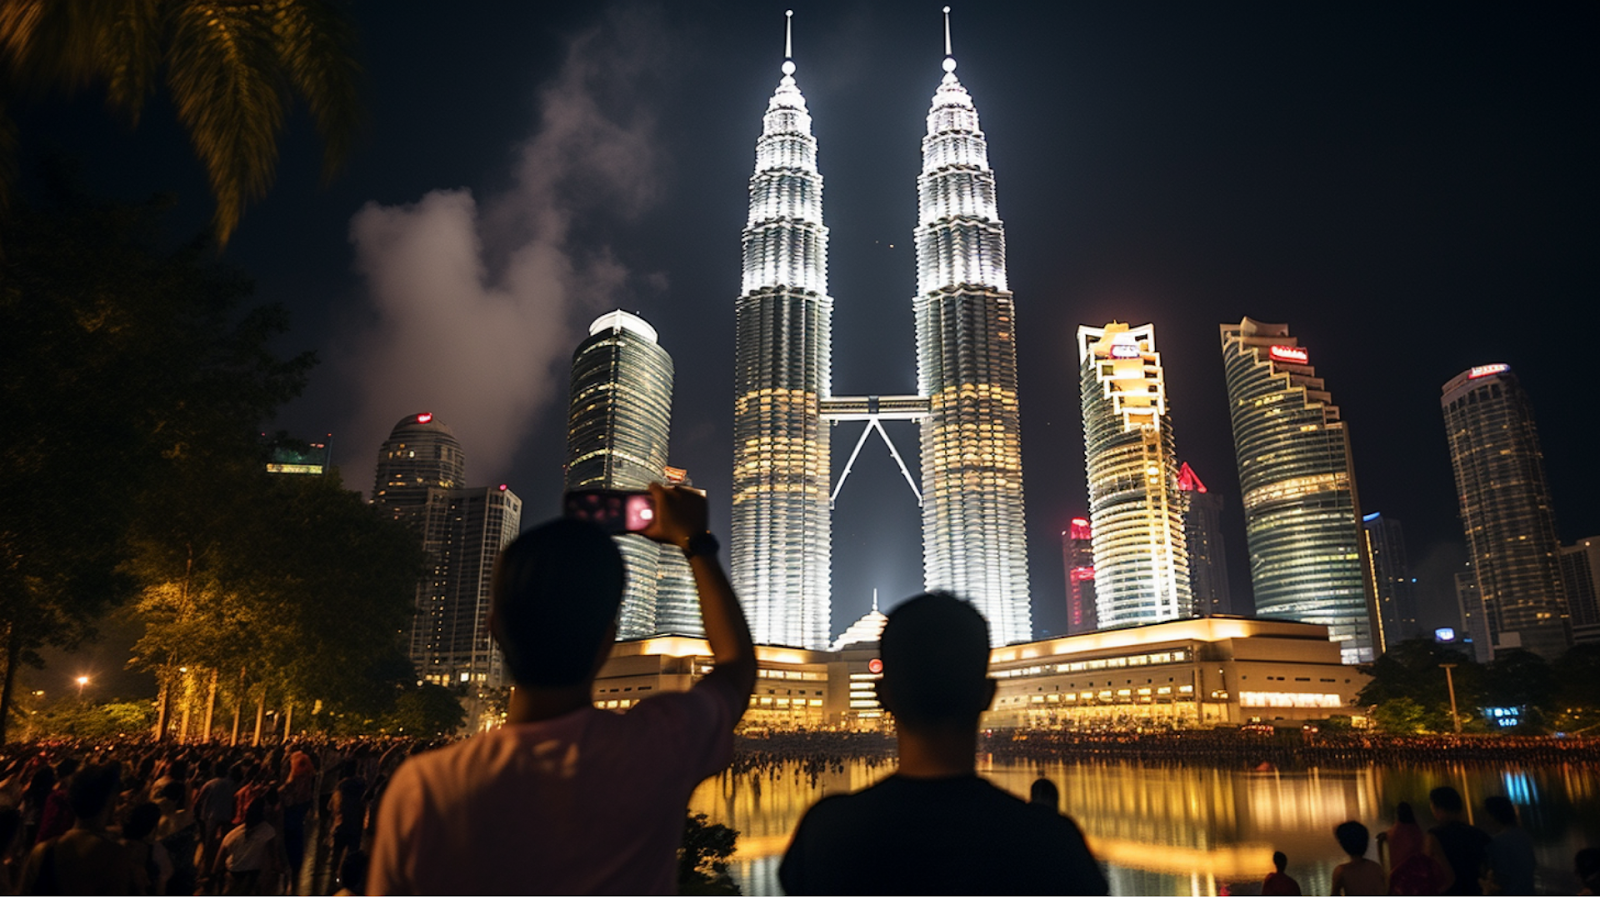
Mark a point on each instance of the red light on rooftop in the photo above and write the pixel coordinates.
(1282, 353)
(1189, 481)
(502, 487)
(1080, 530)
(424, 418)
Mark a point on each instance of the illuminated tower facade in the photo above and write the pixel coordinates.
(973, 529)
(618, 421)
(1506, 510)
(1302, 517)
(779, 540)
(1077, 553)
(1141, 557)
(1392, 584)
(421, 453)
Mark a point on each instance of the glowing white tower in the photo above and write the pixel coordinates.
(973, 535)
(780, 543)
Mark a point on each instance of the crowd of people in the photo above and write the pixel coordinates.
(148, 818)
(571, 799)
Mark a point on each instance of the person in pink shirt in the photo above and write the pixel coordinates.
(567, 798)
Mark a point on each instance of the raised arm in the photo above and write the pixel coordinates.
(680, 521)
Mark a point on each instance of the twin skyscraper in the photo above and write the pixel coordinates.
(966, 400)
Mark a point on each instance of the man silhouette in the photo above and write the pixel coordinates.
(934, 826)
(567, 798)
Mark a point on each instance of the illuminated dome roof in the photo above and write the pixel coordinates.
(866, 630)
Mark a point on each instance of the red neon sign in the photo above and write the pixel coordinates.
(1286, 354)
(875, 666)
(1079, 529)
(1485, 371)
(424, 418)
(1082, 573)
(1189, 481)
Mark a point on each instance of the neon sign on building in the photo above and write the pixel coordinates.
(1485, 371)
(1281, 353)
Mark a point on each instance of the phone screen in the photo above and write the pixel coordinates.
(616, 512)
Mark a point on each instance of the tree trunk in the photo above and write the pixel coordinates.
(261, 714)
(164, 717)
(188, 706)
(211, 704)
(288, 720)
(238, 709)
(13, 659)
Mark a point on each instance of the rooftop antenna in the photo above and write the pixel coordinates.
(949, 57)
(788, 42)
(874, 599)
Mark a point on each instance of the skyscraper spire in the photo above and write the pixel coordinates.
(780, 542)
(973, 523)
(788, 42)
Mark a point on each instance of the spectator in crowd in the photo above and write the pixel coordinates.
(1458, 848)
(567, 798)
(1358, 876)
(1043, 792)
(85, 859)
(935, 826)
(1511, 858)
(1586, 865)
(1278, 883)
(247, 854)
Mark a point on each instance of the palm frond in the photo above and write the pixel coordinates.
(129, 53)
(230, 94)
(316, 45)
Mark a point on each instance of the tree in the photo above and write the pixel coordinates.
(1411, 671)
(428, 710)
(128, 368)
(1577, 699)
(231, 67)
(703, 858)
(1519, 679)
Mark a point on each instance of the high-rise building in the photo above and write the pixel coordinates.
(291, 457)
(971, 485)
(619, 419)
(419, 478)
(1392, 582)
(464, 530)
(973, 530)
(1077, 553)
(1141, 554)
(1506, 511)
(779, 540)
(1580, 575)
(1302, 517)
(421, 453)
(1208, 555)
(1474, 618)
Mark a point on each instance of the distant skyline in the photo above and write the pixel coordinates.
(1412, 187)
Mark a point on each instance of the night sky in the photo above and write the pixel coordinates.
(1412, 187)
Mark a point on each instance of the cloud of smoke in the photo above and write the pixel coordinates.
(476, 306)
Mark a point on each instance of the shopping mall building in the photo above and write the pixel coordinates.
(1188, 673)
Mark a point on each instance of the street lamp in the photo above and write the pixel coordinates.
(82, 681)
(1450, 683)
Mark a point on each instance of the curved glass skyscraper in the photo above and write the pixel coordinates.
(780, 541)
(1302, 517)
(1141, 557)
(421, 453)
(618, 421)
(1506, 509)
(973, 528)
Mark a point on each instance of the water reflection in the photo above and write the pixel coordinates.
(1194, 831)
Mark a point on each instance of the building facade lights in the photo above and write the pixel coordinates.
(1302, 516)
(1141, 557)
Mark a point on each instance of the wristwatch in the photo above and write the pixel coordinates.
(702, 544)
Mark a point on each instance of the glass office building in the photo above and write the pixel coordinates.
(1141, 556)
(1298, 489)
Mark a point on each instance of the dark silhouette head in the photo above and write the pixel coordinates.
(1044, 793)
(1353, 838)
(255, 813)
(91, 790)
(935, 652)
(141, 821)
(1446, 800)
(1279, 860)
(1587, 866)
(1501, 810)
(556, 591)
(1404, 814)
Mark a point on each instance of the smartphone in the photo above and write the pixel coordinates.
(616, 512)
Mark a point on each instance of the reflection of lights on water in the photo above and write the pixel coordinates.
(1520, 789)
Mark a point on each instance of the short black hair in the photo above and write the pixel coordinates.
(1501, 810)
(91, 789)
(1279, 860)
(1045, 793)
(141, 820)
(557, 589)
(1353, 838)
(1446, 799)
(935, 650)
(1404, 814)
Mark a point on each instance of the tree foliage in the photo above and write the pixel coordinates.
(703, 858)
(1412, 672)
(129, 372)
(231, 67)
